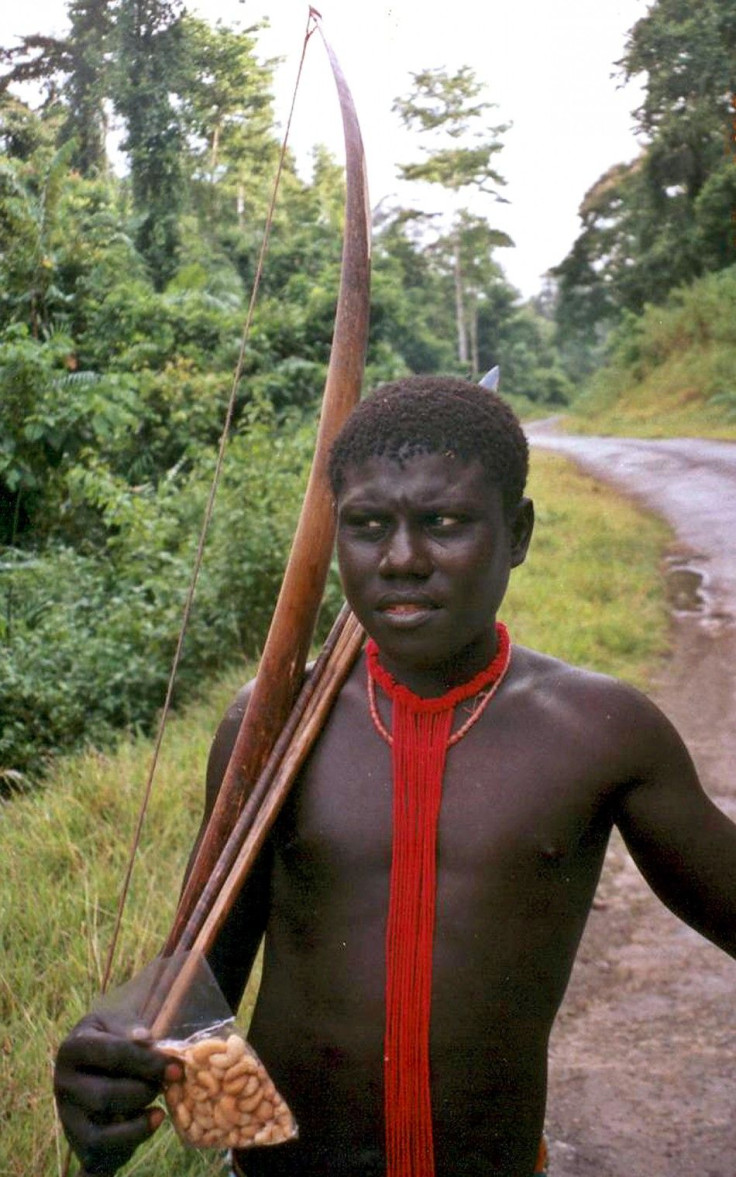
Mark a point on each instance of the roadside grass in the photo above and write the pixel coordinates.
(64, 850)
(680, 397)
(670, 371)
(590, 592)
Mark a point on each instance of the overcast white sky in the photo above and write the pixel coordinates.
(548, 64)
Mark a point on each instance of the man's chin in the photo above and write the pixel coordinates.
(409, 647)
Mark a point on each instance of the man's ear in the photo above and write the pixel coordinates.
(522, 526)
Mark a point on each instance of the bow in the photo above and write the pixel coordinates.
(284, 657)
(285, 653)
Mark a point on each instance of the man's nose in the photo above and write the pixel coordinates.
(405, 554)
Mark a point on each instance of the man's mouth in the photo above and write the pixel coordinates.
(406, 611)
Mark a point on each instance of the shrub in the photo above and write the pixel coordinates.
(87, 640)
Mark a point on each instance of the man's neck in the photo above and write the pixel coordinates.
(429, 682)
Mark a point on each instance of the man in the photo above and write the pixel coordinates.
(426, 887)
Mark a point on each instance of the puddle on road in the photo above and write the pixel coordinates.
(685, 589)
(689, 595)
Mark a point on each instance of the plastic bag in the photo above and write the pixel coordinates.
(226, 1098)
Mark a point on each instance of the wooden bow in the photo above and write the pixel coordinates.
(282, 665)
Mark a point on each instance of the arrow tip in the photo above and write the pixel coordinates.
(492, 379)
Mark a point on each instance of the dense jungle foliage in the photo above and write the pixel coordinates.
(123, 290)
(134, 183)
(662, 221)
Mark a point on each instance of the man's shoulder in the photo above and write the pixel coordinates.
(580, 695)
(226, 735)
(592, 719)
(545, 671)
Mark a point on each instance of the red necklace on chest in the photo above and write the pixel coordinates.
(483, 685)
(420, 738)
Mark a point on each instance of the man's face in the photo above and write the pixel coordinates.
(425, 550)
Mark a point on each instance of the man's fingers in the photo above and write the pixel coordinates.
(103, 1150)
(107, 1074)
(102, 1098)
(156, 1117)
(140, 1034)
(101, 1052)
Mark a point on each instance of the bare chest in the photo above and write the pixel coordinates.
(510, 807)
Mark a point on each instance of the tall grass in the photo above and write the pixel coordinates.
(590, 592)
(63, 852)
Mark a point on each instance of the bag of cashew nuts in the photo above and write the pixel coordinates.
(226, 1098)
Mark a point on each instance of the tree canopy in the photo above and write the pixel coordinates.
(665, 218)
(124, 281)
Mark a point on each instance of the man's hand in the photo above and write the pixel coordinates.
(106, 1076)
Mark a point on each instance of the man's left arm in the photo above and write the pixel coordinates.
(683, 844)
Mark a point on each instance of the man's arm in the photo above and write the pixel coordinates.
(231, 957)
(682, 843)
(107, 1071)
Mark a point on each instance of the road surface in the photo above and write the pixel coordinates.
(643, 1059)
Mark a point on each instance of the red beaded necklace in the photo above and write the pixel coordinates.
(483, 686)
(422, 734)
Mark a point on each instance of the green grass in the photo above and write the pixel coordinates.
(671, 371)
(63, 851)
(679, 397)
(590, 592)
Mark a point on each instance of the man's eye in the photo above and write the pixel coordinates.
(366, 525)
(442, 522)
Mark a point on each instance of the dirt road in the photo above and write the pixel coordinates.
(643, 1064)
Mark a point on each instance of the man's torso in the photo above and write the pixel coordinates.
(525, 819)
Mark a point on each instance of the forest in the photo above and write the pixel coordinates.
(125, 275)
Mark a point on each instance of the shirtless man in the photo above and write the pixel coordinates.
(428, 478)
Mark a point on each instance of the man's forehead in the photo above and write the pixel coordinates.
(429, 472)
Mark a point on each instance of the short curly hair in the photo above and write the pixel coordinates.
(436, 414)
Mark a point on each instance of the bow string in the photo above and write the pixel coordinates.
(283, 661)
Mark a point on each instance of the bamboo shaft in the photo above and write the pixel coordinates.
(207, 885)
(249, 835)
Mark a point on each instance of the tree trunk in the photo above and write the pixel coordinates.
(462, 334)
(214, 152)
(473, 317)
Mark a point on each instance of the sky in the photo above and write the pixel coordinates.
(548, 65)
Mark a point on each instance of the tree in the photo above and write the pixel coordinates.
(587, 303)
(30, 208)
(22, 130)
(472, 243)
(38, 58)
(689, 58)
(74, 71)
(663, 220)
(227, 113)
(459, 158)
(87, 87)
(410, 297)
(147, 78)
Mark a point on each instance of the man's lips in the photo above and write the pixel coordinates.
(406, 609)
